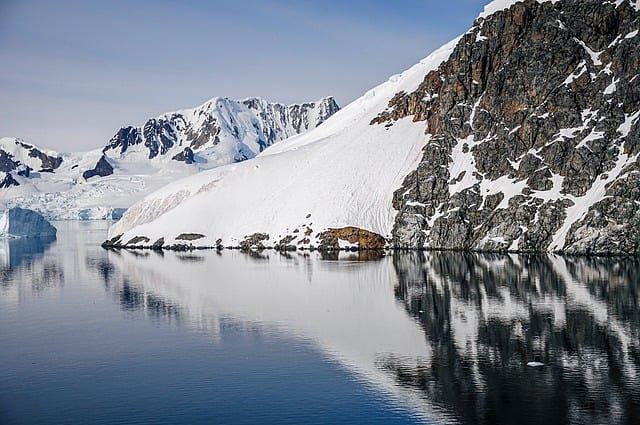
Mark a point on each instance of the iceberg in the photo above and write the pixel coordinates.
(24, 223)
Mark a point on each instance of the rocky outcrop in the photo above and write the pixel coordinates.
(48, 162)
(255, 241)
(102, 169)
(185, 156)
(189, 236)
(8, 181)
(137, 240)
(533, 134)
(350, 238)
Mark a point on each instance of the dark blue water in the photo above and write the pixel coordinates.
(95, 336)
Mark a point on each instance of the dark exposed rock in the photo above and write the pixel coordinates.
(185, 156)
(137, 239)
(125, 137)
(8, 181)
(158, 244)
(48, 161)
(209, 130)
(160, 134)
(115, 239)
(285, 244)
(189, 236)
(254, 242)
(102, 169)
(540, 120)
(25, 172)
(6, 162)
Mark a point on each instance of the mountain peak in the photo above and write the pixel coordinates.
(219, 131)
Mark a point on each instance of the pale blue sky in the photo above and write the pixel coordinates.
(73, 72)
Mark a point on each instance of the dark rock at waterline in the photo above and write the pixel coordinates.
(358, 238)
(254, 242)
(189, 236)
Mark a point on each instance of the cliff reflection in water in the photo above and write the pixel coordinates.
(485, 317)
(447, 335)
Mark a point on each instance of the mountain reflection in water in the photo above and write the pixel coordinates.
(446, 336)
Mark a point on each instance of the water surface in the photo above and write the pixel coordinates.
(95, 336)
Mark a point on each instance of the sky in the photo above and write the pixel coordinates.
(73, 72)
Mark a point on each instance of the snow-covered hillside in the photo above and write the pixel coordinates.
(138, 160)
(522, 134)
(342, 173)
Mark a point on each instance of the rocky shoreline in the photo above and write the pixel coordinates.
(330, 242)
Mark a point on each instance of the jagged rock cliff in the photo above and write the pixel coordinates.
(533, 134)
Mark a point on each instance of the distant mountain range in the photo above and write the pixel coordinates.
(139, 159)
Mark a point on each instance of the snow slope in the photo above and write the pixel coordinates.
(340, 174)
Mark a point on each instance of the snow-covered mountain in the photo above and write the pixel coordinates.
(522, 134)
(138, 160)
(218, 132)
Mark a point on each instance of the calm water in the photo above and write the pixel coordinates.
(90, 336)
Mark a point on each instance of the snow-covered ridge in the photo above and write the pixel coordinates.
(342, 173)
(102, 183)
(220, 131)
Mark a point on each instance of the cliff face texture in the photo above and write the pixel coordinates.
(533, 127)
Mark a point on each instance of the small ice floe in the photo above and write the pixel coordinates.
(535, 364)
